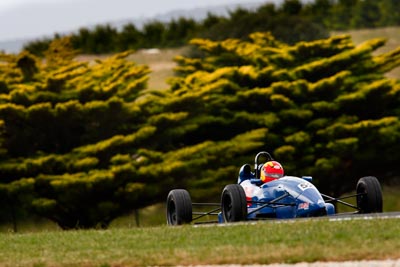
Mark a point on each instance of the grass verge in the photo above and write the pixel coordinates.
(258, 243)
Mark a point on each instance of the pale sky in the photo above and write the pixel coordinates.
(28, 18)
(22, 20)
(7, 4)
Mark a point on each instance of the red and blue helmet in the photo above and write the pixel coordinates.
(270, 171)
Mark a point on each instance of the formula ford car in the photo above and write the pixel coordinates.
(284, 198)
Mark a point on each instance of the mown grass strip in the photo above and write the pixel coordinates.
(261, 242)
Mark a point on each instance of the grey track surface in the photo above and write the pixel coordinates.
(375, 263)
(384, 263)
(384, 215)
(337, 217)
(350, 216)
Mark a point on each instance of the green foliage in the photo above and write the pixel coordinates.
(85, 143)
(82, 144)
(328, 116)
(50, 112)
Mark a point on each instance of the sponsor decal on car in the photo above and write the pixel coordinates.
(304, 206)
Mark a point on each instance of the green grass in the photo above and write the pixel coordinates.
(257, 243)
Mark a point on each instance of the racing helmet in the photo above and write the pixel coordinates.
(270, 171)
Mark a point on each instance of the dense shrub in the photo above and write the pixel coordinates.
(82, 143)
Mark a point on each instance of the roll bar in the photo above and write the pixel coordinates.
(257, 163)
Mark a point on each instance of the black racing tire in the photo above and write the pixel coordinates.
(179, 207)
(371, 199)
(233, 203)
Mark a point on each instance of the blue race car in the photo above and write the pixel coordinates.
(282, 198)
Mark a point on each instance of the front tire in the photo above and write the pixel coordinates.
(233, 203)
(179, 207)
(371, 199)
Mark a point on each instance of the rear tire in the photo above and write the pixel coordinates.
(179, 207)
(233, 203)
(371, 201)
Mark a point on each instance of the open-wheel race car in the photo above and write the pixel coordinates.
(255, 197)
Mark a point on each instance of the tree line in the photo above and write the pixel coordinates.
(290, 22)
(82, 143)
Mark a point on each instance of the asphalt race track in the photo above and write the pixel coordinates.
(375, 263)
(383, 215)
(336, 217)
(349, 216)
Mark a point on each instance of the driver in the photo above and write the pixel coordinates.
(270, 171)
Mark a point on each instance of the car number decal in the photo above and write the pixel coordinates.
(304, 186)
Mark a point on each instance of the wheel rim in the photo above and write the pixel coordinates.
(172, 217)
(227, 208)
(361, 198)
